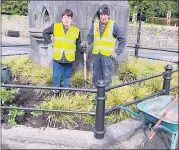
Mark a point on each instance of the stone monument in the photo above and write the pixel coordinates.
(43, 13)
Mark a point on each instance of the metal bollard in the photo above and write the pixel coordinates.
(167, 79)
(99, 129)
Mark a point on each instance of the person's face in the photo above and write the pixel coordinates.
(104, 18)
(67, 21)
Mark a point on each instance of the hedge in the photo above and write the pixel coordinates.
(163, 21)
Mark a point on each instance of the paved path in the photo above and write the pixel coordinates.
(132, 142)
(127, 134)
(170, 56)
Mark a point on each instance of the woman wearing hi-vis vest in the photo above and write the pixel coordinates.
(103, 34)
(66, 40)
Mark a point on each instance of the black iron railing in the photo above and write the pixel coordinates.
(100, 113)
(154, 49)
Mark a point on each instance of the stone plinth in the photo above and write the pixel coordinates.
(41, 52)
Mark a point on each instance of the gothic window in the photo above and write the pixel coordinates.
(45, 20)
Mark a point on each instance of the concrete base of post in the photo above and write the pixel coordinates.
(99, 135)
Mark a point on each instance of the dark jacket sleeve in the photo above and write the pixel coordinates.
(47, 34)
(90, 36)
(120, 37)
(78, 42)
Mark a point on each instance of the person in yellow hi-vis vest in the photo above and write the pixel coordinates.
(66, 39)
(103, 34)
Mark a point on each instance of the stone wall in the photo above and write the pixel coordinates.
(154, 36)
(17, 23)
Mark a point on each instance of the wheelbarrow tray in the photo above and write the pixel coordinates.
(153, 109)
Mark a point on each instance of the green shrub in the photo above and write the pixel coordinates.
(28, 72)
(13, 114)
(119, 96)
(75, 102)
(7, 96)
(174, 82)
(141, 68)
(78, 79)
(17, 7)
(23, 70)
(141, 90)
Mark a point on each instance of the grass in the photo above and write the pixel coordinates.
(73, 102)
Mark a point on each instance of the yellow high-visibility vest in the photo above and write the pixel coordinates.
(64, 43)
(106, 44)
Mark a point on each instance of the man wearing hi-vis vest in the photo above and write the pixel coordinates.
(103, 34)
(66, 39)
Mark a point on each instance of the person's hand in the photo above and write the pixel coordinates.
(84, 46)
(113, 56)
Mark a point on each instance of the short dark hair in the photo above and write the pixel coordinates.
(67, 12)
(104, 10)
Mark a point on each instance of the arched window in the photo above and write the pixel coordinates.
(45, 18)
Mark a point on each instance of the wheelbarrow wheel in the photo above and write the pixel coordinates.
(146, 128)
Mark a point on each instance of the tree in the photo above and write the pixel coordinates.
(17, 7)
(158, 8)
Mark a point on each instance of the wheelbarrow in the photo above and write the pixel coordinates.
(151, 110)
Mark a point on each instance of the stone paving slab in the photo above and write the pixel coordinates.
(127, 134)
(13, 144)
(71, 138)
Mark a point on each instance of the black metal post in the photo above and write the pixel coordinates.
(99, 129)
(138, 35)
(167, 78)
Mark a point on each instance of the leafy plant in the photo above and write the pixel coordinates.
(36, 113)
(8, 95)
(35, 16)
(13, 114)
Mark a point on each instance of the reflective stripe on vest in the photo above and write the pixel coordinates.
(61, 50)
(106, 44)
(63, 39)
(64, 43)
